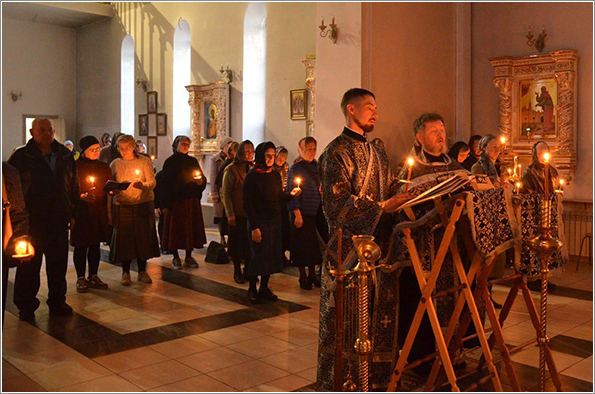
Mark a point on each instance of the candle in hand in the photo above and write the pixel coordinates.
(298, 181)
(21, 248)
(410, 161)
(92, 180)
(152, 158)
(197, 175)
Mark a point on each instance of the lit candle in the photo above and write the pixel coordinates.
(518, 187)
(546, 159)
(520, 172)
(516, 161)
(92, 180)
(152, 158)
(503, 142)
(21, 248)
(197, 175)
(298, 181)
(410, 161)
(509, 172)
(561, 185)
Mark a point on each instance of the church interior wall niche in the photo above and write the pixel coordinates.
(209, 116)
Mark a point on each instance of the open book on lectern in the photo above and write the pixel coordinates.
(452, 185)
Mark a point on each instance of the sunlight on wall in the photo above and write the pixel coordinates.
(127, 86)
(181, 77)
(254, 96)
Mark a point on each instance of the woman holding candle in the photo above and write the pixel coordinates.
(91, 214)
(304, 208)
(263, 194)
(183, 184)
(133, 217)
(16, 246)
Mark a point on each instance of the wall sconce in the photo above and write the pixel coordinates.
(331, 32)
(141, 82)
(226, 74)
(16, 96)
(539, 42)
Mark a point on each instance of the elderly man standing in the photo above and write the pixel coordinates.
(358, 193)
(431, 166)
(50, 187)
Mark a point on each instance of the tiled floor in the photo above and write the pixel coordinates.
(194, 330)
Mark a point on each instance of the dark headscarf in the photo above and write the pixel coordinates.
(475, 137)
(489, 168)
(240, 155)
(533, 179)
(113, 148)
(456, 148)
(177, 141)
(259, 158)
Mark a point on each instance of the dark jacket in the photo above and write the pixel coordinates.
(178, 180)
(91, 222)
(49, 195)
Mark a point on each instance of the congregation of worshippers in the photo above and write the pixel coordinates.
(106, 193)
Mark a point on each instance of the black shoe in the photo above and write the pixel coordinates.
(27, 316)
(253, 296)
(61, 310)
(239, 278)
(267, 294)
(305, 284)
(315, 281)
(166, 251)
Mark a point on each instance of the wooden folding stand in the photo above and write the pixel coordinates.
(427, 306)
(497, 321)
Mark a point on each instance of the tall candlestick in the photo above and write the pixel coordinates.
(546, 202)
(410, 161)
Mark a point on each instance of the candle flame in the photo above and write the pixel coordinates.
(91, 179)
(152, 157)
(21, 248)
(509, 171)
(137, 172)
(298, 180)
(561, 182)
(546, 157)
(410, 161)
(503, 140)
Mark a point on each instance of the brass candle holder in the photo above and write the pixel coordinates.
(367, 252)
(544, 245)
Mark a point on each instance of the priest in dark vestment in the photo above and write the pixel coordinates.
(431, 166)
(358, 195)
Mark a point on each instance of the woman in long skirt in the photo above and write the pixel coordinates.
(263, 195)
(183, 184)
(134, 234)
(304, 238)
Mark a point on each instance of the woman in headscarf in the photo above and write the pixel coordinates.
(217, 161)
(282, 167)
(263, 194)
(110, 152)
(490, 149)
(473, 152)
(91, 218)
(183, 184)
(533, 178)
(459, 152)
(133, 215)
(232, 197)
(304, 240)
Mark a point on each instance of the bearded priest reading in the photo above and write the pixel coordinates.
(358, 196)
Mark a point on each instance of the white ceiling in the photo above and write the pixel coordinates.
(66, 14)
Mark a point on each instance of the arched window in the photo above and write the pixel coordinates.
(127, 86)
(255, 49)
(182, 75)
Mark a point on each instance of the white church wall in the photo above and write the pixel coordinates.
(39, 61)
(338, 67)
